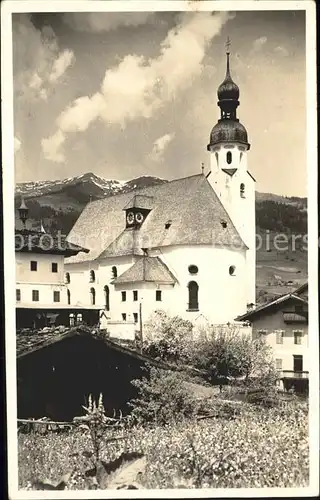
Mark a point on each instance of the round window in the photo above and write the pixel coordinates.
(232, 270)
(193, 269)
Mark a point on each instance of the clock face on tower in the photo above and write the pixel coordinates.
(130, 218)
(139, 217)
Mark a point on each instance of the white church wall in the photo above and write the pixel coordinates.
(221, 296)
(146, 296)
(80, 283)
(240, 204)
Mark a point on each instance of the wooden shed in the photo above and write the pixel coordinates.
(57, 372)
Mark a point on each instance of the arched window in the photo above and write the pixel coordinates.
(67, 278)
(92, 296)
(69, 296)
(107, 298)
(229, 157)
(193, 289)
(232, 270)
(92, 278)
(114, 272)
(193, 269)
(242, 190)
(71, 319)
(79, 318)
(217, 157)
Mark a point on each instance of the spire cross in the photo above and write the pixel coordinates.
(228, 43)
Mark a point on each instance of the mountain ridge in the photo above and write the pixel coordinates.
(32, 189)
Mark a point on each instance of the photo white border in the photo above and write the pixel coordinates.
(8, 7)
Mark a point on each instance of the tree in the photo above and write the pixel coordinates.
(227, 353)
(168, 337)
(221, 353)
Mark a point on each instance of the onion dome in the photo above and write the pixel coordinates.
(228, 89)
(228, 131)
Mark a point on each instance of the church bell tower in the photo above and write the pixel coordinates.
(229, 176)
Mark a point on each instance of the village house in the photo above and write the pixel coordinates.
(42, 297)
(186, 246)
(283, 323)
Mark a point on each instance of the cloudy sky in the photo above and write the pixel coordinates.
(130, 94)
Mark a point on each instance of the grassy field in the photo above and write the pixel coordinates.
(259, 448)
(275, 268)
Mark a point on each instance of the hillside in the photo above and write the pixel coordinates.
(59, 203)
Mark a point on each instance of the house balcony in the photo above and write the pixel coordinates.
(293, 374)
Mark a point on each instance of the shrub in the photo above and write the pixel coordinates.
(221, 353)
(168, 337)
(162, 398)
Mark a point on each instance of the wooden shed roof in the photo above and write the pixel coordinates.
(30, 343)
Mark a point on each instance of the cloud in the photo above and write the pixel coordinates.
(61, 64)
(51, 147)
(17, 144)
(138, 87)
(258, 43)
(98, 22)
(159, 147)
(281, 50)
(37, 61)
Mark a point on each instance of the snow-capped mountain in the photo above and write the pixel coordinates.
(88, 186)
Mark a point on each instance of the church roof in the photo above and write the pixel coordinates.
(150, 269)
(190, 204)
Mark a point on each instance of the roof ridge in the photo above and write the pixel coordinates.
(272, 303)
(166, 267)
(136, 190)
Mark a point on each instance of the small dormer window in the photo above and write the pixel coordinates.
(168, 224)
(229, 157)
(242, 190)
(223, 224)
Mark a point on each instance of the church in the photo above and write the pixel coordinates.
(186, 247)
